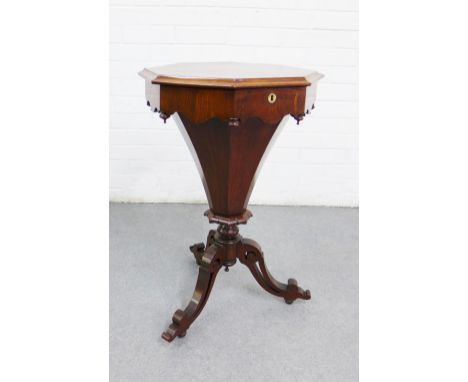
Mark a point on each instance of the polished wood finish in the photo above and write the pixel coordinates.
(232, 75)
(198, 105)
(229, 76)
(225, 83)
(223, 248)
(228, 158)
(210, 263)
(229, 115)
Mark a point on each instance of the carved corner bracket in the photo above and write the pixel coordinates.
(153, 109)
(231, 122)
(164, 116)
(300, 117)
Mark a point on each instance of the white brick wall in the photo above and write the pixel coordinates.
(315, 163)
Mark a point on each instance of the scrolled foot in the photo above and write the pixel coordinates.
(172, 333)
(169, 334)
(294, 290)
(198, 250)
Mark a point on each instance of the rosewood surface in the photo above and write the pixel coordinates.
(229, 115)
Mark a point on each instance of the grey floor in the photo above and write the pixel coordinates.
(244, 333)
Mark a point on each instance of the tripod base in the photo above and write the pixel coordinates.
(222, 249)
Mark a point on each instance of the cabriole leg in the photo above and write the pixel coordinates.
(181, 320)
(251, 255)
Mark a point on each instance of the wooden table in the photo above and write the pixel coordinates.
(229, 115)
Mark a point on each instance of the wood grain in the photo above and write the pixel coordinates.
(229, 120)
(232, 83)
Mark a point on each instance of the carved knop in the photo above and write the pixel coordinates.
(164, 116)
(311, 108)
(298, 117)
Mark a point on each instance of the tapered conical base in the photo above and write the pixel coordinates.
(229, 155)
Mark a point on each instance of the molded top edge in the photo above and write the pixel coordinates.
(230, 75)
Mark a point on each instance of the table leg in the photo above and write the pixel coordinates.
(210, 263)
(252, 256)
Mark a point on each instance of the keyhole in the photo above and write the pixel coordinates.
(272, 97)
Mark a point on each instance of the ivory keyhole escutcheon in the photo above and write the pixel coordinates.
(272, 97)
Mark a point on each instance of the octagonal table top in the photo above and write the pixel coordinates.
(230, 75)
